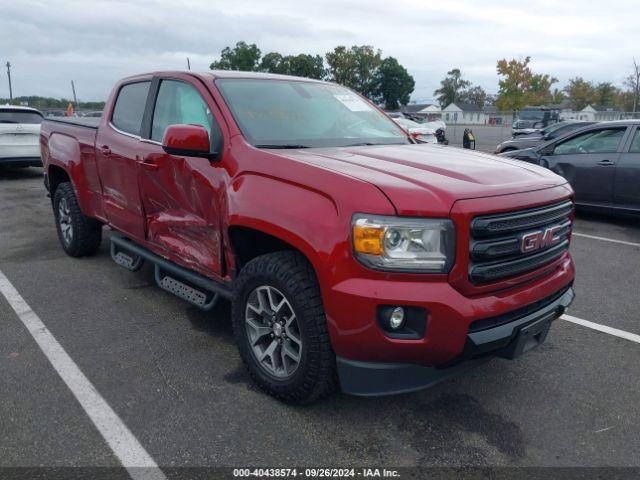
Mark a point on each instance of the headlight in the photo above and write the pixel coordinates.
(404, 244)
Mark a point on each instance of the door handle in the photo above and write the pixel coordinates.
(105, 150)
(606, 163)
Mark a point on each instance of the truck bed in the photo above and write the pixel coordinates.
(69, 145)
(87, 122)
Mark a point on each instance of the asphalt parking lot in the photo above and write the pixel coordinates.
(487, 136)
(173, 376)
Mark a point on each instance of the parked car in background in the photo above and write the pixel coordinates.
(601, 162)
(92, 114)
(551, 132)
(420, 133)
(20, 136)
(531, 119)
(57, 112)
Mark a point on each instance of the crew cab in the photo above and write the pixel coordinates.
(353, 256)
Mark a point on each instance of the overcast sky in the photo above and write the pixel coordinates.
(96, 42)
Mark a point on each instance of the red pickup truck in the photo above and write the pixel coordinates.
(351, 255)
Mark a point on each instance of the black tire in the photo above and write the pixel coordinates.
(86, 231)
(291, 274)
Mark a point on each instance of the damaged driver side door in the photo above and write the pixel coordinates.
(179, 193)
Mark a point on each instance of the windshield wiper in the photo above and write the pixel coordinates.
(282, 146)
(7, 121)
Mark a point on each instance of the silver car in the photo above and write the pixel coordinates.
(20, 136)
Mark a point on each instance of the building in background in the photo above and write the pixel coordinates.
(597, 113)
(471, 114)
(427, 111)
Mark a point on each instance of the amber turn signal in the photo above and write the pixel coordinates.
(368, 239)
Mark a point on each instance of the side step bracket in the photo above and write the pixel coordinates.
(182, 282)
(126, 259)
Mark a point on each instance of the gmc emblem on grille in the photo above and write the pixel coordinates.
(533, 241)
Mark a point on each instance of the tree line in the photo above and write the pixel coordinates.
(519, 86)
(385, 81)
(362, 68)
(38, 102)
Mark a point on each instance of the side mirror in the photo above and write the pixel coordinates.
(188, 141)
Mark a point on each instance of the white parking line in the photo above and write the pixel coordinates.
(124, 445)
(605, 239)
(602, 328)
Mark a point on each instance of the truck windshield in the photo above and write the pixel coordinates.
(295, 114)
(531, 115)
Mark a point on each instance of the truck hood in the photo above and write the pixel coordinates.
(426, 179)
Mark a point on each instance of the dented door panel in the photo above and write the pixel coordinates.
(179, 199)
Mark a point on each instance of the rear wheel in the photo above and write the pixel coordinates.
(281, 329)
(79, 235)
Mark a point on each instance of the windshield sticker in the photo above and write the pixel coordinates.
(353, 102)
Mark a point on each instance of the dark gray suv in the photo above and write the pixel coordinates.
(551, 132)
(601, 162)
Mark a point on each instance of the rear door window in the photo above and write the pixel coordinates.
(129, 108)
(20, 116)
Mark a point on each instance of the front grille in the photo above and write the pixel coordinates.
(495, 245)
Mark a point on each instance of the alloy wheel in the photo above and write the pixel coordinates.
(64, 219)
(273, 332)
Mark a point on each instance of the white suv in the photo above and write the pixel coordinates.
(20, 136)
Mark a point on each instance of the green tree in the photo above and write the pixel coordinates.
(539, 92)
(514, 82)
(605, 94)
(272, 62)
(580, 92)
(520, 86)
(242, 57)
(558, 96)
(624, 100)
(356, 67)
(394, 84)
(451, 87)
(474, 96)
(304, 65)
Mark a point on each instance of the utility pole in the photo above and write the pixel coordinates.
(188, 64)
(9, 76)
(75, 100)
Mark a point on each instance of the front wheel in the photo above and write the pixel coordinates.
(79, 235)
(281, 330)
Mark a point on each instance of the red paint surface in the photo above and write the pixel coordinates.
(183, 207)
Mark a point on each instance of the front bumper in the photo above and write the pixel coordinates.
(507, 340)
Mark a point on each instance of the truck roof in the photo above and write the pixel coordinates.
(213, 74)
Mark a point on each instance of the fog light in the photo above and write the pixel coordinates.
(396, 319)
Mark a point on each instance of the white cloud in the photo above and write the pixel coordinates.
(96, 42)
